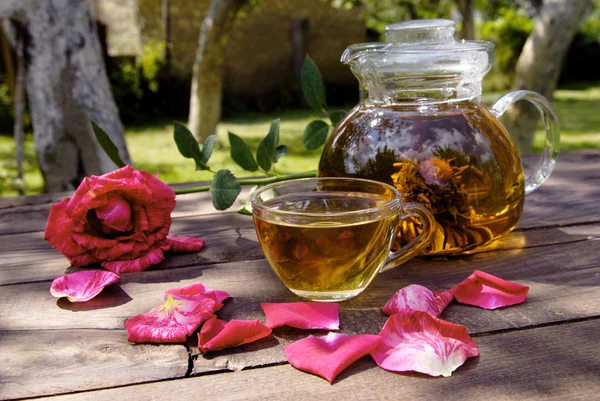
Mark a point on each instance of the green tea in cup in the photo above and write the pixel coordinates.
(327, 238)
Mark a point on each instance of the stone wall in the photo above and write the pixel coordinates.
(259, 69)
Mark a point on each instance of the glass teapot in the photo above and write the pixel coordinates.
(421, 127)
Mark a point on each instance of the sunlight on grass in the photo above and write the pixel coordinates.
(33, 181)
(154, 150)
(579, 117)
(152, 147)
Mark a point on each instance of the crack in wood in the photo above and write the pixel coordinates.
(536, 326)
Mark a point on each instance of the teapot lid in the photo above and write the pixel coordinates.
(425, 48)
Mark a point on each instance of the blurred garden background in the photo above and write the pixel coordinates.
(238, 63)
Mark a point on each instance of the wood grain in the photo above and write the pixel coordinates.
(53, 347)
(42, 362)
(564, 284)
(568, 197)
(549, 363)
(27, 257)
(24, 217)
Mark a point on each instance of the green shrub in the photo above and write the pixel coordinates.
(582, 60)
(6, 111)
(509, 31)
(144, 91)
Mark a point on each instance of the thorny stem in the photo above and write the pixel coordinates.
(253, 181)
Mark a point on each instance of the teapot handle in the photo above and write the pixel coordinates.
(550, 154)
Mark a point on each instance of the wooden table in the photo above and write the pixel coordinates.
(547, 347)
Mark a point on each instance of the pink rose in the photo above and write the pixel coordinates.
(120, 220)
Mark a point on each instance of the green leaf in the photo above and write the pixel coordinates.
(266, 148)
(207, 148)
(246, 207)
(312, 85)
(315, 134)
(280, 151)
(336, 116)
(187, 145)
(107, 145)
(241, 153)
(225, 188)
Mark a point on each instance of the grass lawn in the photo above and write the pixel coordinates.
(152, 147)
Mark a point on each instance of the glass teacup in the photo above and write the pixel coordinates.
(327, 238)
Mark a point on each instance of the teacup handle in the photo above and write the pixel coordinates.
(414, 247)
(546, 164)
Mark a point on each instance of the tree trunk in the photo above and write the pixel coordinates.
(67, 87)
(9, 64)
(207, 78)
(541, 61)
(467, 11)
(19, 134)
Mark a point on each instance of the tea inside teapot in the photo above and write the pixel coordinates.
(457, 161)
(421, 127)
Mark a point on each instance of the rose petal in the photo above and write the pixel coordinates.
(120, 216)
(416, 341)
(218, 295)
(489, 292)
(302, 315)
(82, 286)
(197, 291)
(217, 334)
(58, 231)
(116, 213)
(328, 356)
(417, 297)
(170, 322)
(443, 298)
(180, 243)
(153, 257)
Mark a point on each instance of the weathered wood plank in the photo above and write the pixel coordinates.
(25, 219)
(564, 281)
(41, 362)
(28, 257)
(562, 287)
(47, 199)
(550, 363)
(568, 197)
(561, 265)
(29, 218)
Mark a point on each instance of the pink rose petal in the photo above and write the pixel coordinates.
(82, 286)
(443, 298)
(217, 334)
(416, 341)
(170, 322)
(303, 315)
(328, 356)
(417, 297)
(115, 214)
(489, 292)
(179, 243)
(197, 291)
(153, 257)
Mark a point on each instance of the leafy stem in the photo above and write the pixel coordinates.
(226, 187)
(252, 181)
